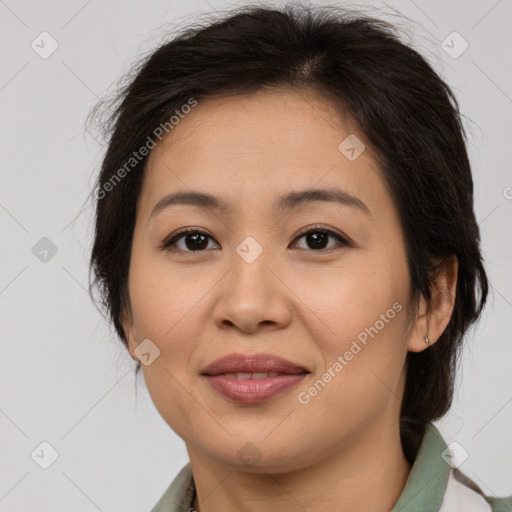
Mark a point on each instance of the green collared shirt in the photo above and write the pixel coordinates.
(433, 485)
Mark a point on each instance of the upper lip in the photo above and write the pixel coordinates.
(256, 363)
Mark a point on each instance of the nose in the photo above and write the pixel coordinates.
(253, 295)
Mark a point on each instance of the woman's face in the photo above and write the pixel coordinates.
(267, 279)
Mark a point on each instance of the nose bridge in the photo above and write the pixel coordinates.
(250, 250)
(250, 260)
(252, 295)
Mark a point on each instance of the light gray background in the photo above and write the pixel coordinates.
(64, 378)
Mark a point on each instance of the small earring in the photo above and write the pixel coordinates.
(427, 341)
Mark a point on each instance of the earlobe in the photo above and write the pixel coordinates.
(433, 318)
(420, 330)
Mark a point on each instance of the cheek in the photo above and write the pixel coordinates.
(357, 317)
(366, 309)
(344, 300)
(165, 300)
(360, 375)
(165, 309)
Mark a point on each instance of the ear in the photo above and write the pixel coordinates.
(434, 317)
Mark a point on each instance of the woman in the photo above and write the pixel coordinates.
(285, 239)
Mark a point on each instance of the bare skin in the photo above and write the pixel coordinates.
(341, 450)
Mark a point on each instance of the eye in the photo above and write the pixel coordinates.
(194, 241)
(318, 239)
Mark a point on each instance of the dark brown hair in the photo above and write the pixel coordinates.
(405, 111)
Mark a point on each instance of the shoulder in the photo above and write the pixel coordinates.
(179, 496)
(436, 484)
(462, 494)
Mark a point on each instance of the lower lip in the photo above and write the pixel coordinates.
(251, 391)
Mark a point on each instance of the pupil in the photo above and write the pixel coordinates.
(317, 240)
(199, 241)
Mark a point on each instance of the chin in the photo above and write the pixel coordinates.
(259, 455)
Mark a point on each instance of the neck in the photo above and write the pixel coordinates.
(368, 472)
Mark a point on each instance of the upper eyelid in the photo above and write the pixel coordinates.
(329, 231)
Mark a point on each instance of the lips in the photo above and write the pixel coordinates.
(252, 364)
(251, 379)
(256, 376)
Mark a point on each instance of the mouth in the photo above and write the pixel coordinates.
(249, 375)
(253, 378)
(257, 366)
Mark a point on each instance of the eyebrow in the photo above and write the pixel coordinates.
(286, 202)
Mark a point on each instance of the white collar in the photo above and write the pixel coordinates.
(460, 498)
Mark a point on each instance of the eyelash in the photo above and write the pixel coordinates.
(170, 243)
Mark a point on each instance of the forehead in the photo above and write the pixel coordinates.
(260, 144)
